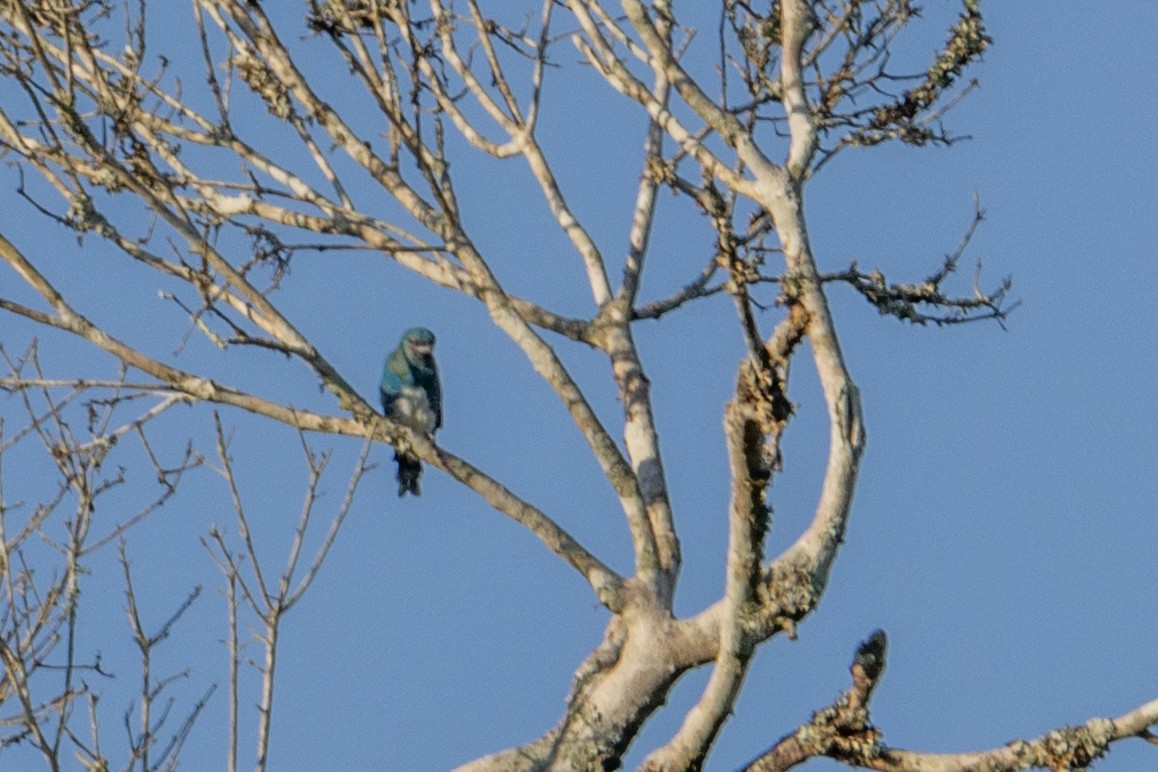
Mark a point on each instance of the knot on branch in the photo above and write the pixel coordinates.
(1069, 748)
(84, 217)
(661, 171)
(762, 408)
(786, 594)
(841, 731)
(762, 395)
(263, 82)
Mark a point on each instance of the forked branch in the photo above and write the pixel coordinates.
(844, 732)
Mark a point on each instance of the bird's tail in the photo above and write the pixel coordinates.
(409, 473)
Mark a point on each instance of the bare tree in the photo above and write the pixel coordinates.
(174, 167)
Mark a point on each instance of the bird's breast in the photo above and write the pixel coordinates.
(412, 409)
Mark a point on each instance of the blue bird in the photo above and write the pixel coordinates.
(412, 396)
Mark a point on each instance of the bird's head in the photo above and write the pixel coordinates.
(418, 343)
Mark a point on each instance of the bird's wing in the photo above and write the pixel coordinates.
(434, 396)
(395, 376)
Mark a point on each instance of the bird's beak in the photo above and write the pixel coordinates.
(422, 349)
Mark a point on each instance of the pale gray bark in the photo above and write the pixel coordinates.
(749, 184)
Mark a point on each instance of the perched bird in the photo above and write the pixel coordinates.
(412, 396)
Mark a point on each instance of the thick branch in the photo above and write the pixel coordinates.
(796, 21)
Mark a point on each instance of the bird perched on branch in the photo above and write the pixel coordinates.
(412, 396)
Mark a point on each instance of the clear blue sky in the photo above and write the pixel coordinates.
(1003, 530)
